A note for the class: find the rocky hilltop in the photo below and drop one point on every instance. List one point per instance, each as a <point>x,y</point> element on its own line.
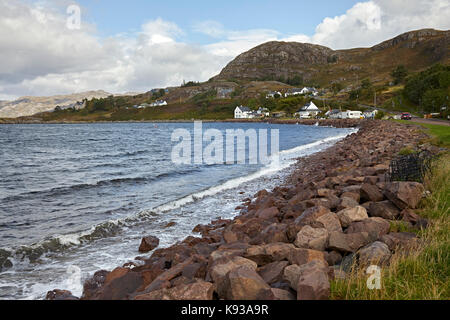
<point>27,106</point>
<point>277,59</point>
<point>274,60</point>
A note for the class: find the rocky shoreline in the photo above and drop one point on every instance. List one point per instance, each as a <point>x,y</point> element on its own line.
<point>334,212</point>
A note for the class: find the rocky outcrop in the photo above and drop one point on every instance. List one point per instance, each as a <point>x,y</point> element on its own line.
<point>275,60</point>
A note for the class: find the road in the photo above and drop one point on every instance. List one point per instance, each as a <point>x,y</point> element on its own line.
<point>432,121</point>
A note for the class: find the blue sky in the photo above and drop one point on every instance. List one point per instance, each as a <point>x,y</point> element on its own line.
<point>136,45</point>
<point>287,17</point>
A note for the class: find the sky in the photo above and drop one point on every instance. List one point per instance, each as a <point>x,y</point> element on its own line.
<point>46,48</point>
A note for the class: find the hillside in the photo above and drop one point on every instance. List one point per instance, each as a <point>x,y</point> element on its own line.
<point>27,106</point>
<point>322,66</point>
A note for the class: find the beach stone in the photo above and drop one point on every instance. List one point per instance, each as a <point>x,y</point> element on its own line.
<point>377,253</point>
<point>314,284</point>
<point>221,268</point>
<point>245,284</point>
<point>302,256</point>
<point>383,209</point>
<point>347,243</point>
<point>284,295</point>
<point>323,192</point>
<point>353,188</point>
<point>375,227</point>
<point>330,221</point>
<point>148,244</point>
<point>312,214</point>
<point>333,258</point>
<point>273,272</point>
<point>347,202</point>
<point>351,195</point>
<point>303,195</point>
<point>198,290</point>
<point>397,240</point>
<point>371,180</point>
<point>349,215</point>
<point>163,279</point>
<point>312,238</point>
<point>276,232</point>
<point>93,284</point>
<point>268,213</point>
<point>121,288</point>
<point>370,192</point>
<point>302,278</point>
<point>60,295</point>
<point>264,254</point>
<point>195,270</point>
<point>404,194</point>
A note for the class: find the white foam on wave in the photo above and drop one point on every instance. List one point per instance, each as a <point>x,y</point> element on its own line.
<point>287,158</point>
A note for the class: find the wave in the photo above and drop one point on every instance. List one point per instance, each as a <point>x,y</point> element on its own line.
<point>101,183</point>
<point>274,166</point>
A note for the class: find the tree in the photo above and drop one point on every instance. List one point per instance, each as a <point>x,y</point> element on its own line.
<point>399,74</point>
<point>297,80</point>
<point>366,84</point>
<point>434,100</point>
<point>355,94</point>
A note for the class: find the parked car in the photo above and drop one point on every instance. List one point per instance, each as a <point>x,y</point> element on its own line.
<point>406,116</point>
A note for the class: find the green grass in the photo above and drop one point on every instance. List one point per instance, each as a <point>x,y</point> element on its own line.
<point>422,273</point>
<point>440,133</point>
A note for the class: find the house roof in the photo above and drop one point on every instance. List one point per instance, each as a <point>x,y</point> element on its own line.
<point>244,109</point>
<point>310,106</point>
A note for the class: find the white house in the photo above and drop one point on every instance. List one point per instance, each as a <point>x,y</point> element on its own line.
<point>308,111</point>
<point>272,94</point>
<point>293,92</point>
<point>309,90</point>
<point>242,112</point>
<point>159,103</point>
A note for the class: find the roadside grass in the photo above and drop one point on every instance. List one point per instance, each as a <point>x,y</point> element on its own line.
<point>423,272</point>
<point>440,134</point>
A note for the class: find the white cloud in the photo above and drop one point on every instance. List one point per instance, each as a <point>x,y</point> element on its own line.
<point>45,58</point>
<point>368,23</point>
<point>40,56</point>
<point>211,28</point>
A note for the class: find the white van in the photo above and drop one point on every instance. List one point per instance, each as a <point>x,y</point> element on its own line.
<point>354,115</point>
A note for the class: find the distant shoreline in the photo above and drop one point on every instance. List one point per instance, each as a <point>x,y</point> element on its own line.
<point>339,123</point>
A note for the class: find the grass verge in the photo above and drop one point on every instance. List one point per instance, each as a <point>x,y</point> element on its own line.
<point>441,134</point>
